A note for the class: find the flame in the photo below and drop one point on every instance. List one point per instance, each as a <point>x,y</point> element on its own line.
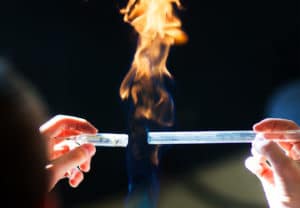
<point>158,28</point>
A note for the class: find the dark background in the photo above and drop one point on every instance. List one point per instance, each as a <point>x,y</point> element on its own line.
<point>77,53</point>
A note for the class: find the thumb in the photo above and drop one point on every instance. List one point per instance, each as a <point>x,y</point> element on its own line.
<point>274,154</point>
<point>58,167</point>
<point>260,169</point>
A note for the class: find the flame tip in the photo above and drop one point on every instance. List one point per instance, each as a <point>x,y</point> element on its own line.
<point>158,29</point>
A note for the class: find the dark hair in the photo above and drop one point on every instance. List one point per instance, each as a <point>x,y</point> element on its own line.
<point>23,150</point>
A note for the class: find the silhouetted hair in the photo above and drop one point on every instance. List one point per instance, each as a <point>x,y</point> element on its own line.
<point>23,150</point>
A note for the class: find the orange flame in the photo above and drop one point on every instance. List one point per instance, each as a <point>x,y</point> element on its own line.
<point>158,28</point>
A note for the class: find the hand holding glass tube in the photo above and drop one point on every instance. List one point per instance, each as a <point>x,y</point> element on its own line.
<point>66,159</point>
<point>276,164</point>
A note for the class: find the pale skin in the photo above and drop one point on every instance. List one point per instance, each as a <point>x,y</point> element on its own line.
<point>67,160</point>
<point>275,163</point>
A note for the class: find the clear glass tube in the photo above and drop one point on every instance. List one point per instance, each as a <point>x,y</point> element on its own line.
<point>188,137</point>
<point>201,137</point>
<point>103,139</point>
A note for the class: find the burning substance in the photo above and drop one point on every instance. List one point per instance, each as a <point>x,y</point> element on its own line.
<point>158,28</point>
<point>151,106</point>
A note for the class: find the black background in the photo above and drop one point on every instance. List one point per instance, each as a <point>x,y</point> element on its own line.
<point>77,53</point>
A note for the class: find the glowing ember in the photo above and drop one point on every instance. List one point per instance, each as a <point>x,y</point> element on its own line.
<point>158,28</point>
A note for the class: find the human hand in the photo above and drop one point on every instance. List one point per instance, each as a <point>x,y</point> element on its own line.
<point>274,163</point>
<point>67,159</point>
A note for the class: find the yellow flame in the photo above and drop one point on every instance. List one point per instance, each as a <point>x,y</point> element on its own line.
<point>158,28</point>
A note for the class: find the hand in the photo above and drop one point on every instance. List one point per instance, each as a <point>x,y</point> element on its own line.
<point>67,159</point>
<point>274,163</point>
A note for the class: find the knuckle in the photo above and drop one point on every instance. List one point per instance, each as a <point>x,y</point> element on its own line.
<point>80,154</point>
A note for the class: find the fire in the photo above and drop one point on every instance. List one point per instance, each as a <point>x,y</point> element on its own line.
<point>158,28</point>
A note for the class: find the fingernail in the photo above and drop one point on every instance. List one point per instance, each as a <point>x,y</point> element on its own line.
<point>73,183</point>
<point>90,149</point>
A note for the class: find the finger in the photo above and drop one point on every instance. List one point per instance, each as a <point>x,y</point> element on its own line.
<point>274,155</point>
<point>284,145</point>
<point>269,129</point>
<point>71,172</point>
<point>63,126</point>
<point>294,152</point>
<point>252,164</point>
<point>287,146</point>
<point>275,124</point>
<point>76,178</point>
<point>86,166</point>
<point>59,151</point>
<point>260,169</point>
<point>71,159</point>
<point>257,155</point>
<point>61,148</point>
